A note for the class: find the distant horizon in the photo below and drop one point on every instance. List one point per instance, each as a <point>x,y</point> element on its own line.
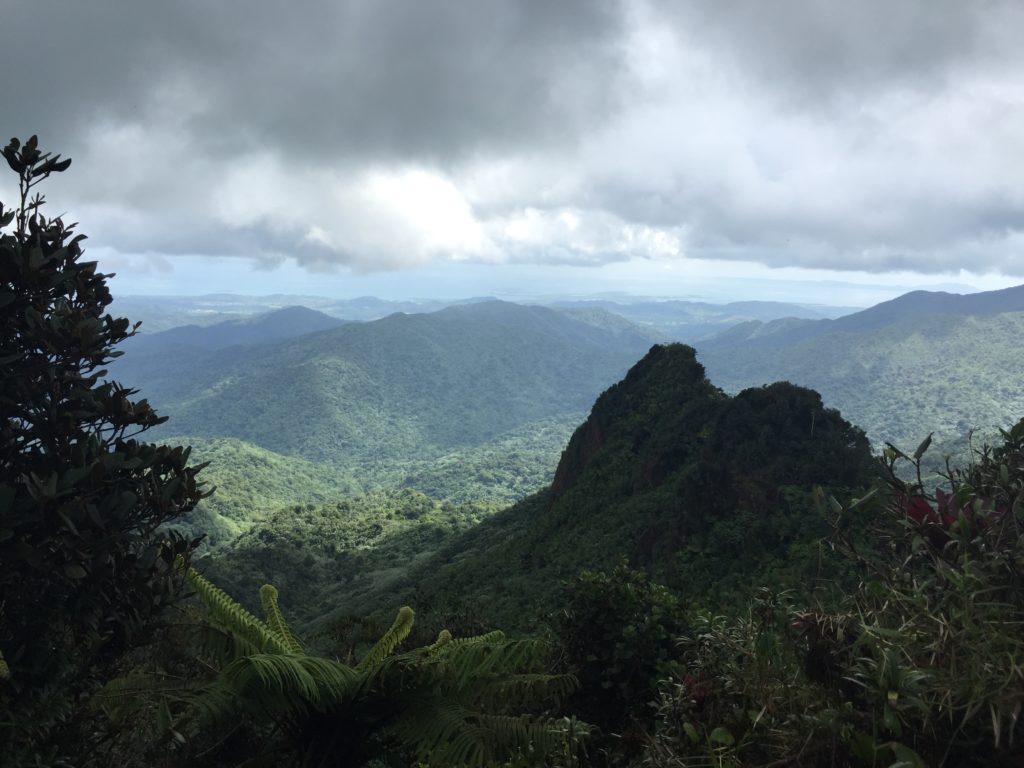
<point>547,284</point>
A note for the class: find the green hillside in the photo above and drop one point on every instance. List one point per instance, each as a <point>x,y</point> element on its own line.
<point>267,328</point>
<point>251,482</point>
<point>700,489</point>
<point>703,490</point>
<point>317,553</point>
<point>406,386</point>
<point>900,370</point>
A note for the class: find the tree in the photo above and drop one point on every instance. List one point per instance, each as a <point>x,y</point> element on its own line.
<point>617,633</point>
<point>84,559</point>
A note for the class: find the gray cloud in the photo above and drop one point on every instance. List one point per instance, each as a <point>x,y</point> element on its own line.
<point>323,80</point>
<point>383,134</point>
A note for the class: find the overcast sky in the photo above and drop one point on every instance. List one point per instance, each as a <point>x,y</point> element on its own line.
<point>414,147</point>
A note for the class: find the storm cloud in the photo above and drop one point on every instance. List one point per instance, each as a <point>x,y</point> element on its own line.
<point>380,135</point>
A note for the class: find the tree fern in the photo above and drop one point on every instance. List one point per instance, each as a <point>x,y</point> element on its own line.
<point>450,703</point>
<point>233,617</point>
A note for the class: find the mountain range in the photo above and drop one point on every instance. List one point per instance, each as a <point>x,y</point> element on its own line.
<point>924,362</point>
<point>404,386</point>
<point>704,490</point>
<point>691,321</point>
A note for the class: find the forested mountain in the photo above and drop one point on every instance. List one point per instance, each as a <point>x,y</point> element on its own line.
<point>926,361</point>
<point>161,313</point>
<point>406,386</point>
<point>471,403</point>
<point>266,328</point>
<point>702,489</point>
<point>252,483</point>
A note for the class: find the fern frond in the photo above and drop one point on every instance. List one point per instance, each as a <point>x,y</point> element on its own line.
<point>398,631</point>
<point>441,734</point>
<point>276,622</point>
<point>125,696</point>
<point>227,612</point>
<point>216,703</point>
<point>458,737</point>
<point>222,645</point>
<point>277,681</point>
<point>443,638</point>
<point>505,734</point>
<point>523,690</point>
<point>495,636</point>
<point>490,658</point>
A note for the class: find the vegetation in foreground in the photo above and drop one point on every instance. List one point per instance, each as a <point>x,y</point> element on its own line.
<point>85,563</point>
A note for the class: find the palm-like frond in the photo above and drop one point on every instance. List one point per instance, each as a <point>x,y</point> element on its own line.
<point>276,622</point>
<point>270,679</point>
<point>521,690</point>
<point>484,656</point>
<point>232,616</point>
<point>396,633</point>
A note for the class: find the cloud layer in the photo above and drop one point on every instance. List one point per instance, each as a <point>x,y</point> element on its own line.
<point>380,135</point>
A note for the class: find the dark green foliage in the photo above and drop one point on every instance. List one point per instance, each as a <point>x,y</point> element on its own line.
<point>618,634</point>
<point>691,485</point>
<point>923,362</point>
<point>253,483</point>
<point>454,702</point>
<point>327,555</point>
<point>920,663</point>
<point>404,387</point>
<point>83,564</point>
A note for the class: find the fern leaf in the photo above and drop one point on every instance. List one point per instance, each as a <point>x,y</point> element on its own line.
<point>233,616</point>
<point>458,737</point>
<point>444,637</point>
<point>398,631</point>
<point>505,734</point>
<point>440,734</point>
<point>516,691</point>
<point>281,682</point>
<point>276,622</point>
<point>483,657</point>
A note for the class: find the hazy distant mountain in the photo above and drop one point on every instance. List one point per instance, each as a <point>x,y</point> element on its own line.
<point>159,313</point>
<point>689,321</point>
<point>401,387</point>
<point>264,328</point>
<point>924,361</point>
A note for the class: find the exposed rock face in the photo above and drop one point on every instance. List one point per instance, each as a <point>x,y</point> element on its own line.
<point>586,441</point>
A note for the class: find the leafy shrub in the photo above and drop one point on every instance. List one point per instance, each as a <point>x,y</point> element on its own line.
<point>920,665</point>
<point>617,633</point>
